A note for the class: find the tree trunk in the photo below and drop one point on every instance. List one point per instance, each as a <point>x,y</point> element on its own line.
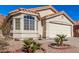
<point>61,42</point>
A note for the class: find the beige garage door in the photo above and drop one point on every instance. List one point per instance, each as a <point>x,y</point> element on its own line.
<point>54,29</point>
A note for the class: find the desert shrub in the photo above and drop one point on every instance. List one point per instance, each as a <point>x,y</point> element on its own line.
<point>30,46</point>
<point>60,39</point>
<point>57,41</point>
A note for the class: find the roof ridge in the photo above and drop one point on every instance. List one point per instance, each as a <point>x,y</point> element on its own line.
<point>37,8</point>
<point>21,9</point>
<point>30,9</point>
<point>33,10</point>
<point>43,7</point>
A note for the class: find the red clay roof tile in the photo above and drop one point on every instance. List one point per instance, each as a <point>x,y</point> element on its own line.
<point>76,22</point>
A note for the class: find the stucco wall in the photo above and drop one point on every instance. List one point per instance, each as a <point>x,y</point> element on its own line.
<point>40,29</point>
<point>53,28</point>
<point>60,19</point>
<point>25,33</point>
<point>46,12</point>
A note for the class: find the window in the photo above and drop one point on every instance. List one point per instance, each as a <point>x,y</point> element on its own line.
<point>29,22</point>
<point>11,23</point>
<point>32,25</point>
<point>17,23</point>
<point>26,24</point>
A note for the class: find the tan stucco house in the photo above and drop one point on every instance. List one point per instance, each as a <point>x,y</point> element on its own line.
<point>45,22</point>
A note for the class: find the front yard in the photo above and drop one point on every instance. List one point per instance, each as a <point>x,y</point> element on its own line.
<point>15,46</point>
<point>74,42</point>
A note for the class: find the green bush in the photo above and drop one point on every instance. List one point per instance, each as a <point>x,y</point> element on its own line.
<point>57,41</point>
<point>30,46</point>
<point>60,39</point>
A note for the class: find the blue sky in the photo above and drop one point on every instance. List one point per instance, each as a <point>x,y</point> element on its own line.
<point>71,10</point>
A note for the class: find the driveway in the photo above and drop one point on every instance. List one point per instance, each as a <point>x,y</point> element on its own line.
<point>74,42</point>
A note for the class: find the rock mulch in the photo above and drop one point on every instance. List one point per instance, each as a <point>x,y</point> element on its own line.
<point>15,46</point>
<point>74,42</point>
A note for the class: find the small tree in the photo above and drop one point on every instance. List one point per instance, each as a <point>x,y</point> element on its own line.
<point>30,46</point>
<point>60,39</point>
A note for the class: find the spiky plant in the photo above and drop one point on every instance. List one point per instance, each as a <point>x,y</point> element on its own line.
<point>60,39</point>
<point>30,46</point>
<point>57,41</point>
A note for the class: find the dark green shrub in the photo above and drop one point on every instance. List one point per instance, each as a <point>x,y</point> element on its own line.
<point>60,39</point>
<point>30,46</point>
<point>57,41</point>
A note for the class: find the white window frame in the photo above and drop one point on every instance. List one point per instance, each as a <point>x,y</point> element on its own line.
<point>19,24</point>
<point>29,23</point>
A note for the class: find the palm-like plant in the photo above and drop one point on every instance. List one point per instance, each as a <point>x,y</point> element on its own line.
<point>60,38</point>
<point>30,46</point>
<point>57,41</point>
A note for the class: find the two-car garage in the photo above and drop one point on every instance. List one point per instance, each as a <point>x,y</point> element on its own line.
<point>53,29</point>
<point>60,24</point>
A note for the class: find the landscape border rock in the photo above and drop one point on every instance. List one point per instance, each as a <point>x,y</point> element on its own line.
<point>64,46</point>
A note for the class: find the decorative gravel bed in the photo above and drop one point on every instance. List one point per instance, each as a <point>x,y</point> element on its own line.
<point>15,46</point>
<point>64,46</point>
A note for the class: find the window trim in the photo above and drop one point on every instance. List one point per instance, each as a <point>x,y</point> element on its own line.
<point>30,22</point>
<point>19,24</point>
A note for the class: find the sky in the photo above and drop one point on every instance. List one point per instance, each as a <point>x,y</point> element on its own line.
<point>71,10</point>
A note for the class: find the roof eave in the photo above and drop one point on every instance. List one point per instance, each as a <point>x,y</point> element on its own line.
<point>61,13</point>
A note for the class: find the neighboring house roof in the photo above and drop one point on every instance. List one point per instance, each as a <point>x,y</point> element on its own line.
<point>76,22</point>
<point>2,18</point>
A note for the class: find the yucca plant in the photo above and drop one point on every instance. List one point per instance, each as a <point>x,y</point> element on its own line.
<point>57,41</point>
<point>60,39</point>
<point>30,46</point>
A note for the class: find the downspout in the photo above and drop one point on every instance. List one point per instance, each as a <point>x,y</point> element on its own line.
<point>44,28</point>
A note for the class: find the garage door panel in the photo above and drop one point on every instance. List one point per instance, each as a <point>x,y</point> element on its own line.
<point>54,29</point>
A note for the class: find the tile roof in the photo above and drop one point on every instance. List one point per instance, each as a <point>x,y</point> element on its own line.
<point>20,9</point>
<point>42,8</point>
<point>76,22</point>
<point>32,10</point>
<point>36,11</point>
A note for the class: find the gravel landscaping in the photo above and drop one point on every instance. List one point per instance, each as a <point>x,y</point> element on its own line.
<point>15,46</point>
<point>74,42</point>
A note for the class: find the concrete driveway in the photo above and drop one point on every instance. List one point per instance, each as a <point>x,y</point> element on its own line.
<point>74,42</point>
